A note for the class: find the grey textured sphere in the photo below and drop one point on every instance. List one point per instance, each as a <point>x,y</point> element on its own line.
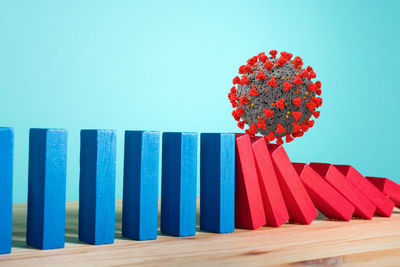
<point>265,99</point>
<point>275,97</point>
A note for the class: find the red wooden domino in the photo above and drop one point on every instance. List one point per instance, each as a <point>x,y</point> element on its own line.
<point>300,207</point>
<point>274,205</point>
<point>249,209</point>
<point>327,200</point>
<point>384,206</point>
<point>364,208</point>
<point>388,187</point>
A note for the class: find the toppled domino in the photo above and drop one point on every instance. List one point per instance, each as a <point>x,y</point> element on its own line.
<point>249,209</point>
<point>327,200</point>
<point>364,208</point>
<point>274,204</point>
<point>388,187</point>
<point>300,207</point>
<point>384,206</point>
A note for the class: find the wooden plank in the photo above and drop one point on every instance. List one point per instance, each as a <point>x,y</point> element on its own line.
<point>298,202</point>
<point>249,209</point>
<point>388,187</point>
<point>325,198</point>
<point>363,207</point>
<point>217,182</point>
<point>178,184</point>
<point>6,182</point>
<point>362,242</point>
<point>46,188</point>
<point>97,186</point>
<point>140,190</point>
<point>384,206</point>
<point>274,205</point>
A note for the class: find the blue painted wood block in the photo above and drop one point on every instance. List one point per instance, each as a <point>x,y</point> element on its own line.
<point>46,188</point>
<point>97,187</point>
<point>217,182</point>
<point>178,185</point>
<point>140,193</point>
<point>6,181</point>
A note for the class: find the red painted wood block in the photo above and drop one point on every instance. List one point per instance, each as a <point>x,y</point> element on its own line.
<point>364,208</point>
<point>300,207</point>
<point>249,209</point>
<point>274,205</point>
<point>327,200</point>
<point>388,187</point>
<point>384,206</point>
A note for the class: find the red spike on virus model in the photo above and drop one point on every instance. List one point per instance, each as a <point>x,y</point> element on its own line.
<point>275,96</point>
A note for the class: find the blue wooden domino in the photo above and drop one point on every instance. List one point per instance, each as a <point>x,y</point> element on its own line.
<point>217,182</point>
<point>46,188</point>
<point>178,184</point>
<point>6,180</point>
<point>97,187</point>
<point>140,193</point>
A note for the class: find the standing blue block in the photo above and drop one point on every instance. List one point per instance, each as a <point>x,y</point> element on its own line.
<point>46,188</point>
<point>140,196</point>
<point>6,179</point>
<point>178,185</point>
<point>97,187</point>
<point>217,182</point>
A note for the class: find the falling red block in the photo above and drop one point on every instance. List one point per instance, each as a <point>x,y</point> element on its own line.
<point>274,205</point>
<point>387,187</point>
<point>249,209</point>
<point>363,207</point>
<point>327,200</point>
<point>300,207</point>
<point>384,206</point>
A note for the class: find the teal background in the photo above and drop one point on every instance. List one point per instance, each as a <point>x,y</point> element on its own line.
<point>168,66</point>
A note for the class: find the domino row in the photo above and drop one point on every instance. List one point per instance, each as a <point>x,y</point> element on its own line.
<point>271,190</point>
<point>47,184</point>
<point>265,188</point>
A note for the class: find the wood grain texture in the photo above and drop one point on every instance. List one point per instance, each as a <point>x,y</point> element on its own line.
<point>373,242</point>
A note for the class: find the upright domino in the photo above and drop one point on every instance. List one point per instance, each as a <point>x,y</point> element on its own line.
<point>388,187</point>
<point>6,181</point>
<point>140,192</point>
<point>97,187</point>
<point>217,182</point>
<point>46,188</point>
<point>325,198</point>
<point>249,209</point>
<point>178,184</point>
<point>301,208</point>
<point>274,204</point>
<point>384,206</point>
<point>363,207</point>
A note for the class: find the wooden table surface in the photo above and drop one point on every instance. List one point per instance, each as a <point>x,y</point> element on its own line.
<point>323,243</point>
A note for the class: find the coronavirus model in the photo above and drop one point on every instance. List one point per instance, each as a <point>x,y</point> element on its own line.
<point>275,96</point>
